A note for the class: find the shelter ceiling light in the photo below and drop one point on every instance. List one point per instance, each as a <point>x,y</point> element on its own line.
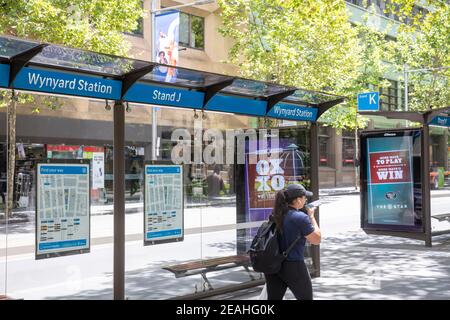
<point>107,106</point>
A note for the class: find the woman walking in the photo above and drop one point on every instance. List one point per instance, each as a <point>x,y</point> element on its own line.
<point>292,223</point>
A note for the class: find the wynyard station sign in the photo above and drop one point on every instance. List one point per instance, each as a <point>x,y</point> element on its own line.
<point>68,83</point>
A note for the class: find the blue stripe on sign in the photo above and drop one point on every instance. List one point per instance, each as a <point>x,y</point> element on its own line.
<point>162,170</point>
<point>293,112</point>
<point>165,96</point>
<point>240,105</point>
<point>62,244</point>
<point>4,75</point>
<point>67,83</point>
<point>166,233</point>
<point>46,169</point>
<point>441,121</point>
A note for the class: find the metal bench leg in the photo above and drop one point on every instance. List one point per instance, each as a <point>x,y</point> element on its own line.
<point>249,273</point>
<point>210,287</point>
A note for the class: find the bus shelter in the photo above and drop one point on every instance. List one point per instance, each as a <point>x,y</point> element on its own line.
<point>49,71</point>
<point>411,164</point>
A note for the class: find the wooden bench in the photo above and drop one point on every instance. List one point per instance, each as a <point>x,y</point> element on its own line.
<point>204,266</point>
<point>442,217</point>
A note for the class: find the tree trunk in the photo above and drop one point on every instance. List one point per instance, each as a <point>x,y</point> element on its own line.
<point>11,114</point>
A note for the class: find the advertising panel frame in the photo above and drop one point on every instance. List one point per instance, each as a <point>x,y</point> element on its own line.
<point>161,241</point>
<point>389,229</point>
<point>73,251</point>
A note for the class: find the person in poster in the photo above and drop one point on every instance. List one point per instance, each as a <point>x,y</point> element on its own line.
<point>166,49</point>
<point>390,181</point>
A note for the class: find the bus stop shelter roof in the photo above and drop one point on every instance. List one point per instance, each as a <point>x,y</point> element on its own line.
<point>439,117</point>
<point>135,81</point>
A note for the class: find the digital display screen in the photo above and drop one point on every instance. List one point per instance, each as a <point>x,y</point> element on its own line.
<point>391,190</point>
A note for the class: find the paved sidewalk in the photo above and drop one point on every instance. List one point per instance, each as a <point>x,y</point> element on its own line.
<point>356,266</point>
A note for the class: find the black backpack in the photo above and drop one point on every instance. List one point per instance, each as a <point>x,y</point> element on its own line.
<point>265,254</point>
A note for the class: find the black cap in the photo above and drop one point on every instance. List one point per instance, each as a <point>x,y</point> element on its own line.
<point>297,190</point>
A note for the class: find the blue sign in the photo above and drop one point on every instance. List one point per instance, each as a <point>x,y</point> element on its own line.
<point>293,112</point>
<point>441,121</point>
<point>146,93</point>
<point>62,244</point>
<point>231,104</point>
<point>165,233</point>
<point>67,83</point>
<point>63,169</point>
<point>163,203</point>
<point>62,209</point>
<point>369,101</point>
<point>4,75</point>
<point>163,170</point>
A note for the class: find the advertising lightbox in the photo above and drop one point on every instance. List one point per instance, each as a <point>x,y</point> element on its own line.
<point>391,190</point>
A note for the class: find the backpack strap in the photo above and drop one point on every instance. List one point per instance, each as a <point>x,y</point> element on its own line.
<point>285,253</point>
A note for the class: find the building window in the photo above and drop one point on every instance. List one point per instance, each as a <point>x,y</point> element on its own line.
<point>389,97</point>
<point>192,31</point>
<point>348,148</point>
<point>139,31</point>
<point>324,149</point>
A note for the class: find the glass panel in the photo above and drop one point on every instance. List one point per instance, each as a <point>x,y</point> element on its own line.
<point>146,277</point>
<point>220,239</point>
<point>184,29</point>
<point>184,77</point>
<point>254,88</point>
<point>10,46</point>
<point>61,133</point>
<point>86,61</point>
<point>440,178</point>
<point>3,195</point>
<point>310,97</point>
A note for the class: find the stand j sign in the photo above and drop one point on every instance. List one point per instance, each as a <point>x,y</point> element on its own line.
<point>368,101</point>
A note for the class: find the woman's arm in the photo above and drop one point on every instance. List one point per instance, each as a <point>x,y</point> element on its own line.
<point>316,236</point>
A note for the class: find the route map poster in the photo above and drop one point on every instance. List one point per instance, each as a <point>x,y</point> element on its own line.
<point>62,209</point>
<point>390,182</point>
<point>163,204</point>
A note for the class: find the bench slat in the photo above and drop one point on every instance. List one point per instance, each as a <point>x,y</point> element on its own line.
<point>208,263</point>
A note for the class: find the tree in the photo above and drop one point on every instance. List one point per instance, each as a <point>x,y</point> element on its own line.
<point>305,43</point>
<point>97,25</point>
<point>424,44</point>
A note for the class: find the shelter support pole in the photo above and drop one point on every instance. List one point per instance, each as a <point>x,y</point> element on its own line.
<point>314,145</point>
<point>11,138</point>
<point>119,200</point>
<point>426,203</point>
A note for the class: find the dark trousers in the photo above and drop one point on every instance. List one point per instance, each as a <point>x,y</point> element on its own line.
<point>293,275</point>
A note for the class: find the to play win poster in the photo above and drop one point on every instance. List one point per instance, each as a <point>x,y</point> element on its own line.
<point>390,181</point>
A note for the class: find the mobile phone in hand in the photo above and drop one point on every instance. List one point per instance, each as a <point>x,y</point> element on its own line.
<point>313,204</point>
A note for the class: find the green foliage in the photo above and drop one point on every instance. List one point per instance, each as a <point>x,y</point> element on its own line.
<point>96,25</point>
<point>305,43</point>
<point>310,44</point>
<point>424,43</point>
